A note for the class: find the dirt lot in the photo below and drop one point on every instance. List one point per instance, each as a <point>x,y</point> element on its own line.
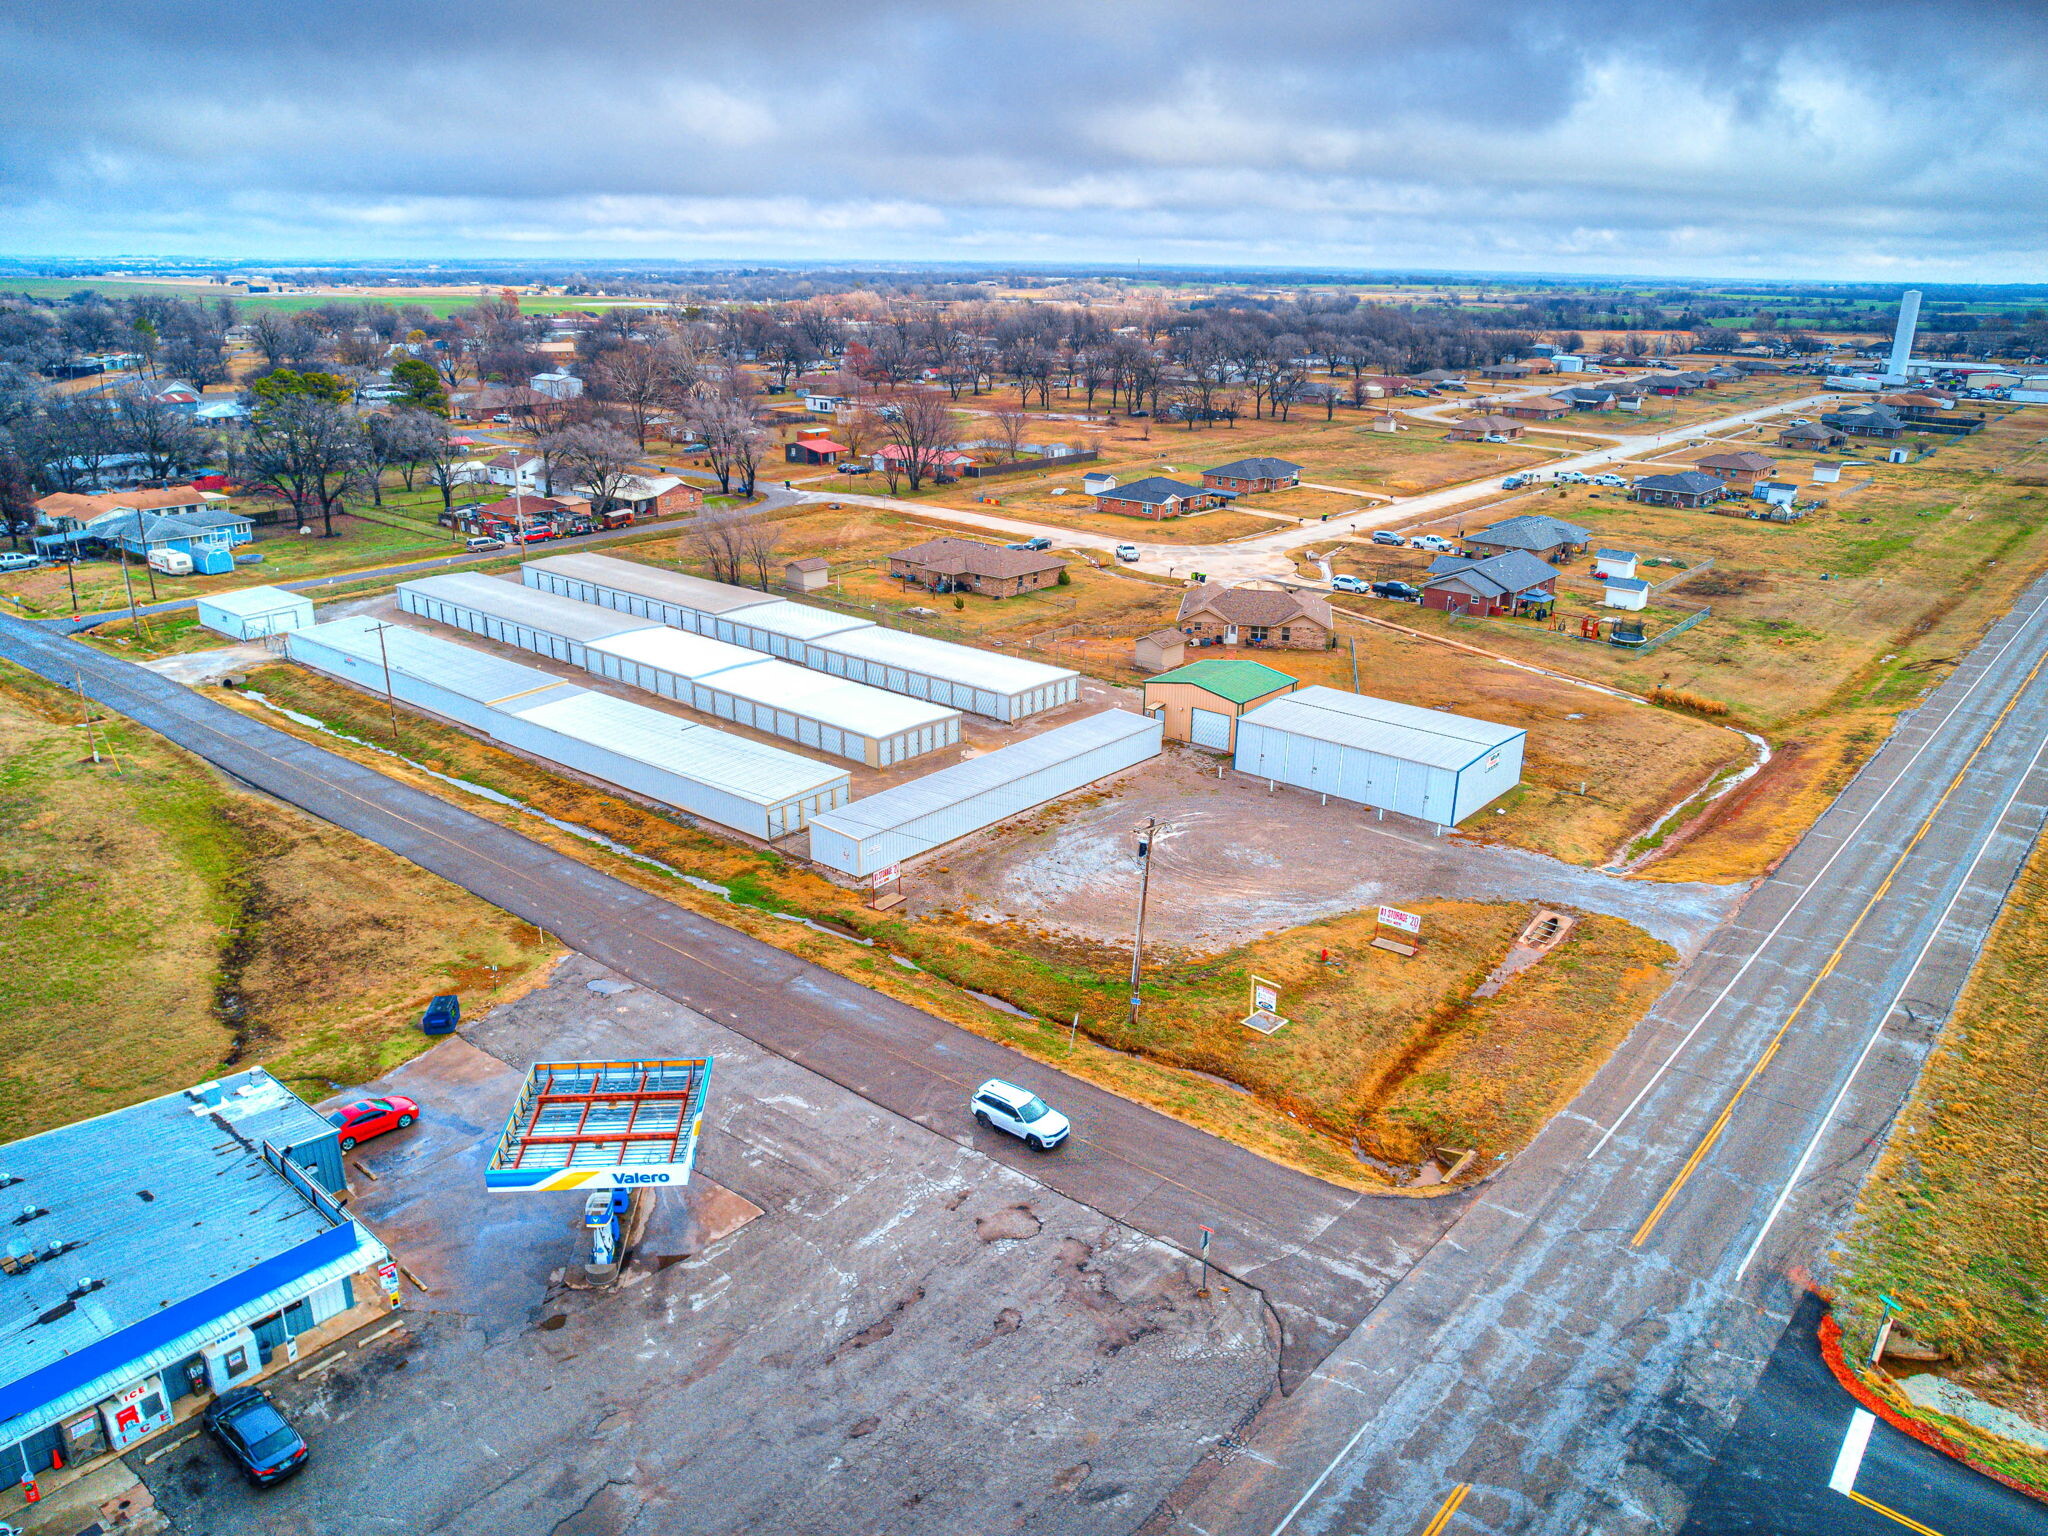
<point>911,1337</point>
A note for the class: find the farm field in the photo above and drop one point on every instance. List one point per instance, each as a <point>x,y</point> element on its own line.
<point>164,925</point>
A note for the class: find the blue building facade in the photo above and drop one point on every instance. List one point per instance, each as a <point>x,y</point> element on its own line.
<point>166,1250</point>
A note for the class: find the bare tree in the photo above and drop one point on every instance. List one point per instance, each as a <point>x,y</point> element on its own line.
<point>303,451</point>
<point>1011,425</point>
<point>722,412</point>
<point>599,460</point>
<point>920,428</point>
<point>635,378</point>
<point>719,540</point>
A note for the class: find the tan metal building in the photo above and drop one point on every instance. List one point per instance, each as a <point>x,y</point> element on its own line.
<point>1201,701</point>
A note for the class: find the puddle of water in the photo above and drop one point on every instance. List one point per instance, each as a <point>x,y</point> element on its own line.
<point>496,797</point>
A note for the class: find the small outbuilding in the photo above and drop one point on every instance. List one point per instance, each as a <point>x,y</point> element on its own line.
<point>1614,562</point>
<point>1426,763</point>
<point>1625,592</point>
<point>1096,482</point>
<point>1826,471</point>
<point>1779,493</point>
<point>1202,701</point>
<point>253,612</point>
<point>807,575</point>
<point>1159,651</point>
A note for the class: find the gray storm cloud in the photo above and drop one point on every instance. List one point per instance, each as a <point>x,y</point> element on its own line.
<point>1705,138</point>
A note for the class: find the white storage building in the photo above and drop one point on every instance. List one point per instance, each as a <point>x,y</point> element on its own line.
<point>444,677</point>
<point>664,597</point>
<point>909,819</point>
<point>1425,763</point>
<point>962,676</point>
<point>829,713</point>
<point>500,610</point>
<point>746,785</point>
<point>254,612</point>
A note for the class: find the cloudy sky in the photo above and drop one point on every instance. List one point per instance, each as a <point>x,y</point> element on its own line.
<point>1878,140</point>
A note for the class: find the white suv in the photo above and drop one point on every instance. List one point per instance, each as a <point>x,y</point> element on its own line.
<point>1020,1112</point>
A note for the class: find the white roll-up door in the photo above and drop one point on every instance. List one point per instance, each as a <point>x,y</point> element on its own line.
<point>1209,729</point>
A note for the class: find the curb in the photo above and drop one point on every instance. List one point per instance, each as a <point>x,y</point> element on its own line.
<point>1852,1382</point>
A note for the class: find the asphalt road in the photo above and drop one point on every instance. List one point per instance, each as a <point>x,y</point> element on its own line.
<point>1773,1474</point>
<point>1571,1356</point>
<point>1321,1255</point>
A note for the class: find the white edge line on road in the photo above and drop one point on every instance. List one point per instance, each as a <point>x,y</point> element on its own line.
<point>1850,1457</point>
<point>1847,840</point>
<point>1884,1015</point>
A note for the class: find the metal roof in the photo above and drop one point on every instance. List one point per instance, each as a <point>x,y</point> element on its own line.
<point>1236,680</point>
<point>1614,554</point>
<point>1433,737</point>
<point>158,1202</point>
<point>797,621</point>
<point>666,586</point>
<point>750,770</point>
<point>449,664</point>
<point>1625,583</point>
<point>538,610</point>
<point>905,803</point>
<point>832,701</point>
<point>679,651</point>
<point>965,664</point>
<point>254,602</point>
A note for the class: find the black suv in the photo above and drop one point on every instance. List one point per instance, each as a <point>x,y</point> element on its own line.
<point>251,1430</point>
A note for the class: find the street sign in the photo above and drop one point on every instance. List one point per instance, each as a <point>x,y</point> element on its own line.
<point>1406,922</point>
<point>888,874</point>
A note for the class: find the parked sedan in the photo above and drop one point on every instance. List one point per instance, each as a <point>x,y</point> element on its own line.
<point>372,1117</point>
<point>1399,591</point>
<point>255,1435</point>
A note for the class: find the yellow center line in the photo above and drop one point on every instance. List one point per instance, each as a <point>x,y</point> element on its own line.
<point>1892,1514</point>
<point>1449,1508</point>
<point>1720,1124</point>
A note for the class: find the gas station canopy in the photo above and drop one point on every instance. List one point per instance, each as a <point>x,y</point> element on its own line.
<point>602,1125</point>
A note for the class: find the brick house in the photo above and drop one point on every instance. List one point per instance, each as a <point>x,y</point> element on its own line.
<point>1256,616</point>
<point>652,496</point>
<point>1811,436</point>
<point>1744,467</point>
<point>1537,533</point>
<point>962,565</point>
<point>1157,497</point>
<point>1247,477</point>
<point>1865,421</point>
<point>1511,583</point>
<point>1536,410</point>
<point>1689,488</point>
<point>1477,428</point>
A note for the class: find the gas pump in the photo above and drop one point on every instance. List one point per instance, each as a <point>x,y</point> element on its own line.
<point>602,1213</point>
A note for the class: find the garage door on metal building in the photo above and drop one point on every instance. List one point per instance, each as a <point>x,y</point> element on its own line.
<point>1208,728</point>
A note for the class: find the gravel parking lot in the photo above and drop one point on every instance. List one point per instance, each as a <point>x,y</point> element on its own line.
<point>911,1337</point>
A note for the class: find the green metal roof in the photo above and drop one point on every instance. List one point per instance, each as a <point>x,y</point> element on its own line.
<point>1238,681</point>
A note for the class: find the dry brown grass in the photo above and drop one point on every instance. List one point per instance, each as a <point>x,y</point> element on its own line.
<point>164,925</point>
<point>1953,1221</point>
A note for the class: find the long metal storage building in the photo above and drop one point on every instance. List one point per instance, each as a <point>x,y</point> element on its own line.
<point>746,785</point>
<point>723,778</point>
<point>666,597</point>
<point>500,610</point>
<point>449,679</point>
<point>909,819</point>
<point>1426,763</point>
<point>962,677</point>
<point>829,713</point>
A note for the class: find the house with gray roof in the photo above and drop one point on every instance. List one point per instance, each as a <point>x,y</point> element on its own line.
<point>1157,497</point>
<point>1546,537</point>
<point>1515,582</point>
<point>1247,477</point>
<point>1688,488</point>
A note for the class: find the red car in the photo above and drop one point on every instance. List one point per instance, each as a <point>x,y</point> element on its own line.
<point>372,1117</point>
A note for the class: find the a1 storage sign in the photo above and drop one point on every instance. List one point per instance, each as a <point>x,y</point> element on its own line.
<point>1402,922</point>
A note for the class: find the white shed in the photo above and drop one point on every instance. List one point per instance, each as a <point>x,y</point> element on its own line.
<point>252,612</point>
<point>1426,763</point>
<point>1625,592</point>
<point>909,819</point>
<point>1614,562</point>
<point>1826,471</point>
<point>1095,482</point>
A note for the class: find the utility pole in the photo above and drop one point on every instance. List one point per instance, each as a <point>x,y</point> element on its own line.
<point>128,586</point>
<point>85,710</point>
<point>1145,836</point>
<point>390,699</point>
<point>71,576</point>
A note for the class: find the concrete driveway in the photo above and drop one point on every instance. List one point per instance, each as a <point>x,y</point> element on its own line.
<point>911,1337</point>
